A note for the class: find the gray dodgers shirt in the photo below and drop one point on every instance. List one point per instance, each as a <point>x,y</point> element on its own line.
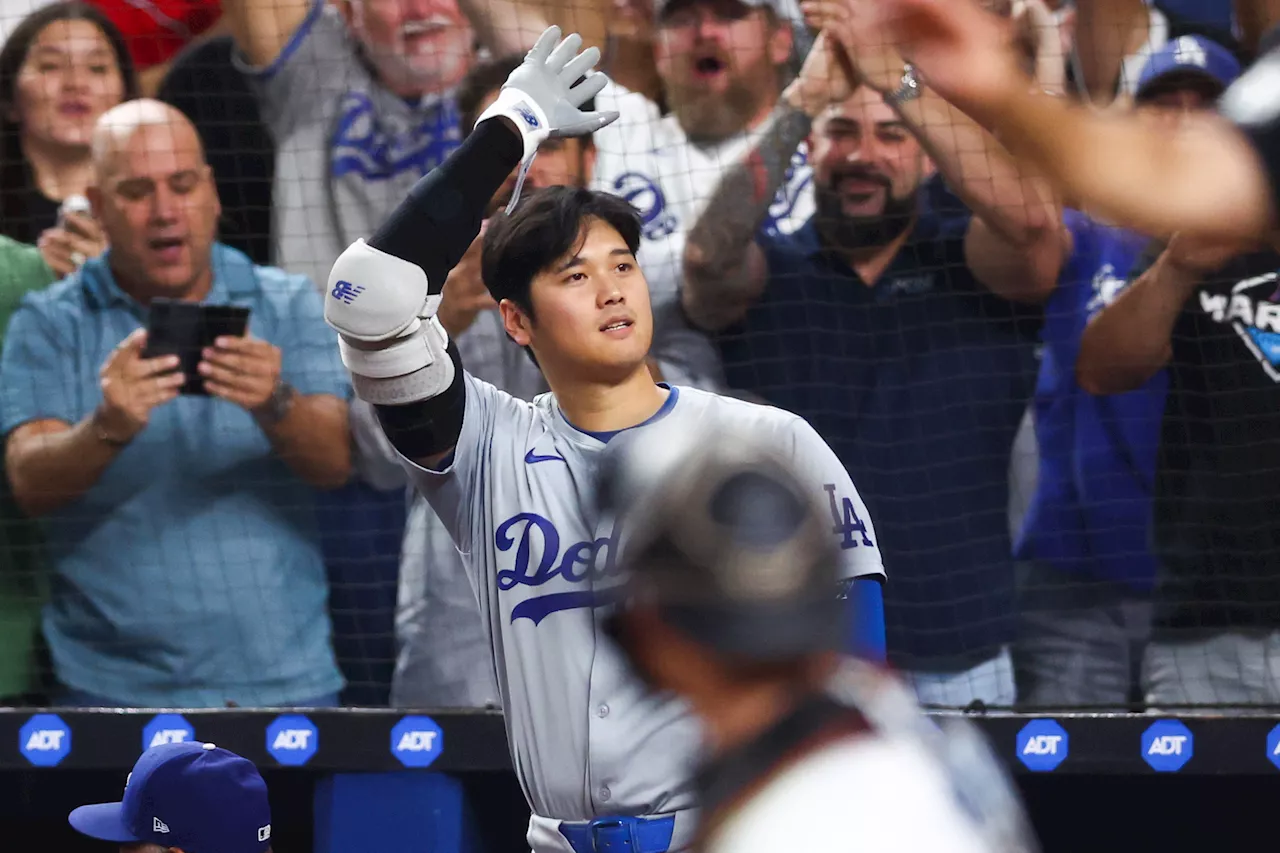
<point>347,150</point>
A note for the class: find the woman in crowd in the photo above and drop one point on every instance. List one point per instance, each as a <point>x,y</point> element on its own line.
<point>60,69</point>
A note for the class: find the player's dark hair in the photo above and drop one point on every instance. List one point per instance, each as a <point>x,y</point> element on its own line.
<point>485,79</point>
<point>547,225</point>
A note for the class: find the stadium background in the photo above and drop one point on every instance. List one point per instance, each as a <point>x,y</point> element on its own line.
<point>1089,779</point>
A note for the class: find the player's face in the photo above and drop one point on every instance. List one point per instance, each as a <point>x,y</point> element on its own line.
<point>720,61</point>
<point>67,81</point>
<point>593,321</point>
<point>560,162</point>
<point>867,168</point>
<point>416,45</point>
<point>159,208</point>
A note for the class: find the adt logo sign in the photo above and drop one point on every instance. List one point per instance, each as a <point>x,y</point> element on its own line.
<point>292,739</point>
<point>417,741</point>
<point>167,728</point>
<point>1273,746</point>
<point>1167,745</point>
<point>45,740</point>
<point>1042,745</point>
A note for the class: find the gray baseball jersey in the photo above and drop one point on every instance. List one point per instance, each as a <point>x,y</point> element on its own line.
<point>519,499</point>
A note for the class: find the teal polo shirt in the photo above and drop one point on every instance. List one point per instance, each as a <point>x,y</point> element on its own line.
<point>190,575</point>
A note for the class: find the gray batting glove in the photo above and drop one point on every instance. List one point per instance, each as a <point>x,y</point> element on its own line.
<point>542,97</point>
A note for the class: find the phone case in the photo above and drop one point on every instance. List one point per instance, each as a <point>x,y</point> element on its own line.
<point>184,329</point>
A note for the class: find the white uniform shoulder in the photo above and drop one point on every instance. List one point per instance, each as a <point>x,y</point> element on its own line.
<point>860,793</point>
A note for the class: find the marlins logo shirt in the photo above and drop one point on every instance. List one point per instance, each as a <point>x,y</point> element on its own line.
<point>1217,518</point>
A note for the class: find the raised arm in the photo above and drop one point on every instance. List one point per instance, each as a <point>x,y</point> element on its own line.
<point>262,28</point>
<point>1131,339</point>
<point>724,269</point>
<point>1211,180</point>
<point>383,294</point>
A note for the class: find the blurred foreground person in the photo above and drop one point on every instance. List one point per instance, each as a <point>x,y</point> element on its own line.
<point>1218,176</point>
<point>191,797</point>
<point>728,608</point>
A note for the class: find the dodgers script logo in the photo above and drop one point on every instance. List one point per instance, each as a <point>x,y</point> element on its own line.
<point>365,148</point>
<point>799,177</point>
<point>535,542</point>
<point>647,197</point>
<point>1252,311</point>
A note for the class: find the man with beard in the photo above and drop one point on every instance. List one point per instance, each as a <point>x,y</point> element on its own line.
<point>902,330</point>
<point>358,96</point>
<point>723,64</point>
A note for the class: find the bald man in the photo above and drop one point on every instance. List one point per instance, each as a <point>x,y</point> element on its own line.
<point>177,494</point>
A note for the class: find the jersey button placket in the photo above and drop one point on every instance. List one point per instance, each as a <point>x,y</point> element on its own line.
<point>605,794</point>
<point>602,711</point>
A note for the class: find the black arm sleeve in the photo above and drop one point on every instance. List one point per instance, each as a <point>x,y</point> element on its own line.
<point>1252,103</point>
<point>441,216</point>
<point>427,427</point>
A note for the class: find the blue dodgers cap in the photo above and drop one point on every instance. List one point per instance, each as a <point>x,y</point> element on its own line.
<point>1188,57</point>
<point>190,795</point>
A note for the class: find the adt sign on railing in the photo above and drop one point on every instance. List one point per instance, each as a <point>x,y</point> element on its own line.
<point>416,741</point>
<point>45,740</point>
<point>292,739</point>
<point>167,728</point>
<point>1273,746</point>
<point>1167,745</point>
<point>1042,745</point>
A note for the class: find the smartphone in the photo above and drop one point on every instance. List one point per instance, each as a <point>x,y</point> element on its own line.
<point>184,329</point>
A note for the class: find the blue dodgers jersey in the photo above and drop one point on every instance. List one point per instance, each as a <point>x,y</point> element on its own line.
<point>1092,507</point>
<point>519,499</point>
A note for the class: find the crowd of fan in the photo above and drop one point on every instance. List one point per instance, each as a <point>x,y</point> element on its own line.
<point>818,235</point>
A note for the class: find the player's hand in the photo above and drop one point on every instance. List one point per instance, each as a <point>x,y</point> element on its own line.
<point>542,97</point>
<point>965,53</point>
<point>241,370</point>
<point>67,246</point>
<point>132,386</point>
<point>465,295</point>
<point>855,30</point>
<point>827,77</point>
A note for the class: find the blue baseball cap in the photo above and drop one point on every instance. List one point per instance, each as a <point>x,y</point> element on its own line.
<point>1188,57</point>
<point>190,795</point>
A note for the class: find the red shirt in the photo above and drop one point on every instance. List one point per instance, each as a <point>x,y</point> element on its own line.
<point>155,30</point>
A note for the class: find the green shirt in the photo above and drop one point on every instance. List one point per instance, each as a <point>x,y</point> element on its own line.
<point>23,581</point>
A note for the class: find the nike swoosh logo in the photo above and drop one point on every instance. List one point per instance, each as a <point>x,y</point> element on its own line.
<point>532,458</point>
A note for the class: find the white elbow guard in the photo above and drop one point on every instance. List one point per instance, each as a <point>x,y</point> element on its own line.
<point>387,332</point>
<point>413,366</point>
<point>373,296</point>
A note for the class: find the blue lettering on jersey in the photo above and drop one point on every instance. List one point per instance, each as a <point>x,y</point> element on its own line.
<point>580,561</point>
<point>1252,311</point>
<point>363,147</point>
<point>646,196</point>
<point>847,521</point>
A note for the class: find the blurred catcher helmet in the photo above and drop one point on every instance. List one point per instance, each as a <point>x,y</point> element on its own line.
<point>721,538</point>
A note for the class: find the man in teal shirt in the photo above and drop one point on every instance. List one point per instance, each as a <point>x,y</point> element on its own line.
<point>23,584</point>
<point>181,528</point>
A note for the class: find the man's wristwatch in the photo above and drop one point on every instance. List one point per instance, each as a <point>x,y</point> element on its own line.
<point>908,88</point>
<point>277,406</point>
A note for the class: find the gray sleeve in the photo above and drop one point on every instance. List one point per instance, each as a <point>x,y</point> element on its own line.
<point>302,86</point>
<point>457,491</point>
<point>816,464</point>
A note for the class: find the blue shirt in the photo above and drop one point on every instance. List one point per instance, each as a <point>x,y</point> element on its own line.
<point>190,574</point>
<point>918,383</point>
<point>1092,509</point>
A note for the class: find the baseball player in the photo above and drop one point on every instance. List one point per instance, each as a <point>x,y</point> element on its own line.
<point>602,762</point>
<point>725,554</point>
<point>1218,177</point>
<point>185,796</point>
